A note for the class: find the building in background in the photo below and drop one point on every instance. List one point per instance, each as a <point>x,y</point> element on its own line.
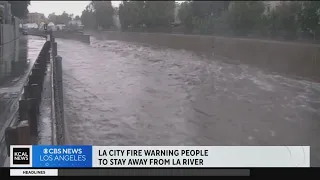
<point>75,23</point>
<point>36,18</point>
<point>60,27</point>
<point>30,26</point>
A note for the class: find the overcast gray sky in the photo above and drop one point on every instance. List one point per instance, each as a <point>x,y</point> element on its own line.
<point>71,7</point>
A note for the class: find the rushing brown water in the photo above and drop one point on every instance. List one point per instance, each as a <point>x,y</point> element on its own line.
<point>119,93</point>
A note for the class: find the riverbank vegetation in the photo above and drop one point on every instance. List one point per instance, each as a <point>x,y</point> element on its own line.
<point>288,20</point>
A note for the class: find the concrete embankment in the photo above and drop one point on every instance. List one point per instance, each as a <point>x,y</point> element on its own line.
<point>64,35</point>
<point>296,59</point>
<point>74,36</point>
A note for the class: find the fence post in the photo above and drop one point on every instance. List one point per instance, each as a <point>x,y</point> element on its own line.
<point>33,120</point>
<point>58,64</point>
<point>47,59</point>
<point>10,137</point>
<point>24,110</point>
<point>27,92</point>
<point>53,40</point>
<point>37,65</point>
<point>55,49</point>
<point>37,77</point>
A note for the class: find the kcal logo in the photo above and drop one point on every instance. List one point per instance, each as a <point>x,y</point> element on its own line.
<point>21,156</point>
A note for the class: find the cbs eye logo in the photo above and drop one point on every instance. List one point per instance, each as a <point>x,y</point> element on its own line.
<point>21,156</point>
<point>45,151</point>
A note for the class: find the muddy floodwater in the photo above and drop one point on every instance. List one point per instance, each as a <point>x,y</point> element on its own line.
<point>120,93</point>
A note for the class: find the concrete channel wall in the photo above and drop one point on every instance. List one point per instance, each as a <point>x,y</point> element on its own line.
<point>295,59</point>
<point>71,35</point>
<point>63,34</point>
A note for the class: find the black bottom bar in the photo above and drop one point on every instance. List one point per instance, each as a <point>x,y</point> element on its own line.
<point>154,172</point>
<point>259,172</point>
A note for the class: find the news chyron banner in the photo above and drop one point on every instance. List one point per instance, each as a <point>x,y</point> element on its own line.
<point>158,156</point>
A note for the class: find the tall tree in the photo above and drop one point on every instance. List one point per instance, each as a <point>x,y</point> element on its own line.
<point>285,19</point>
<point>103,13</point>
<point>132,14</point>
<point>201,14</point>
<point>123,15</point>
<point>185,15</point>
<point>19,8</point>
<point>88,17</point>
<point>52,18</point>
<point>136,13</point>
<point>77,18</point>
<point>310,17</point>
<point>64,18</point>
<point>244,15</point>
<point>147,14</point>
<point>159,13</point>
<point>206,8</point>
